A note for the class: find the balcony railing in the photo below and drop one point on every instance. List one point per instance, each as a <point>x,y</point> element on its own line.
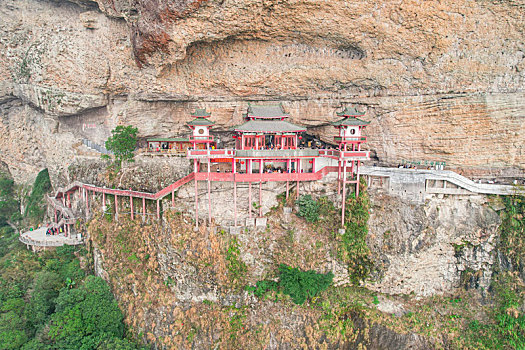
<point>208,138</point>
<point>213,153</point>
<point>351,139</point>
<point>273,154</point>
<point>277,153</point>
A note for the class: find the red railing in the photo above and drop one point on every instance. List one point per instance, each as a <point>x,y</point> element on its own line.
<point>256,177</point>
<point>216,153</point>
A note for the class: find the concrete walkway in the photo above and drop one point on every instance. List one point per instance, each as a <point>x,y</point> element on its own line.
<point>413,176</point>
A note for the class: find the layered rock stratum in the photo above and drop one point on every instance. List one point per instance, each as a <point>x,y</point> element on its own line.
<point>439,81</point>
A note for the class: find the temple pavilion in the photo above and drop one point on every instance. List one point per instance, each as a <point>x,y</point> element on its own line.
<point>266,127</point>
<point>267,150</point>
<point>200,138</point>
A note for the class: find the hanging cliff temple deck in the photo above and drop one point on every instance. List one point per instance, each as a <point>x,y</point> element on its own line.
<point>266,149</point>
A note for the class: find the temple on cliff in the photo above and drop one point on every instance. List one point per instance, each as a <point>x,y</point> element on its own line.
<point>201,138</point>
<point>268,148</point>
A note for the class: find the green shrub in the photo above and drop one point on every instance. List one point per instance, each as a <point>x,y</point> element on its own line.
<point>35,209</point>
<point>308,208</point>
<point>262,287</point>
<point>299,285</point>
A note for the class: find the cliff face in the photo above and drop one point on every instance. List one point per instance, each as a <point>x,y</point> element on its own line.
<point>183,288</point>
<point>439,81</point>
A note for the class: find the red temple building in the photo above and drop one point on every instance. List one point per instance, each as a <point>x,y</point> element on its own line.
<point>200,138</point>
<point>266,149</point>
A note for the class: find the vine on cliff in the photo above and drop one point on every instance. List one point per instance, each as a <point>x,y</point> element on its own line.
<point>512,230</point>
<point>355,251</point>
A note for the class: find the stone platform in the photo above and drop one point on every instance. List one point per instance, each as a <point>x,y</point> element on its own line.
<point>38,238</point>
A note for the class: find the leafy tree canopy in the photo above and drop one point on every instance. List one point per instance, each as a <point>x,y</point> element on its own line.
<point>122,143</point>
<point>86,317</point>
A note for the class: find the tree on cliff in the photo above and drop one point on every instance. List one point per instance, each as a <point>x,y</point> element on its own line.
<point>86,317</point>
<point>122,143</point>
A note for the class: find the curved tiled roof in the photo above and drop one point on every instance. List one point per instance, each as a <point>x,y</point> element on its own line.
<point>269,126</point>
<point>268,111</point>
<point>350,122</point>
<point>350,112</point>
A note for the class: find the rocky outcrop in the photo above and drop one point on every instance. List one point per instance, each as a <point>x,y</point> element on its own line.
<point>433,248</point>
<point>436,82</point>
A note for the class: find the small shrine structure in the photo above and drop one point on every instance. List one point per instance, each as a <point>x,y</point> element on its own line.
<point>200,138</point>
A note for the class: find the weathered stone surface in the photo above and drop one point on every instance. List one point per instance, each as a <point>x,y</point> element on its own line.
<point>437,82</point>
<point>423,249</point>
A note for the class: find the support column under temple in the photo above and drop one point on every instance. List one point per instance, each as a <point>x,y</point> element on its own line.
<point>339,177</point>
<point>87,204</point>
<point>103,199</point>
<point>196,170</point>
<point>260,199</point>
<point>158,209</point>
<point>131,206</point>
<point>357,178</point>
<point>250,199</point>
<point>234,170</point>
<point>249,164</point>
<point>209,193</point>
<point>344,196</point>
<point>143,209</point>
<point>116,207</point>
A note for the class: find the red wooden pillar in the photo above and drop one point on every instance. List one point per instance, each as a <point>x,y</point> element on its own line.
<point>56,216</point>
<point>339,176</point>
<point>298,171</point>
<point>209,191</point>
<point>143,208</point>
<point>344,195</point>
<point>196,171</point>
<point>289,171</point>
<point>249,171</point>
<point>87,204</point>
<point>131,205</point>
<point>116,207</point>
<point>173,198</point>
<point>260,199</point>
<point>158,209</point>
<point>68,200</point>
<point>357,179</point>
<point>234,195</point>
<point>260,187</point>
